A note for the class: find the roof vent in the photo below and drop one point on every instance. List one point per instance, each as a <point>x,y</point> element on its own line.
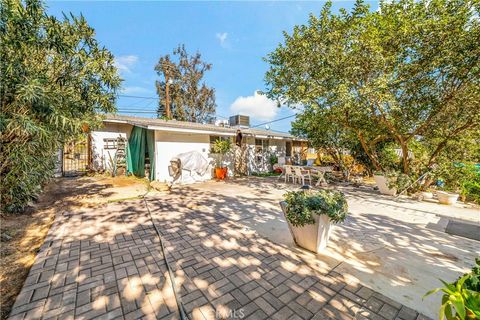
<point>222,123</point>
<point>239,120</point>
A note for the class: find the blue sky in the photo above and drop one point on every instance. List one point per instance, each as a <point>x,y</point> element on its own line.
<point>233,36</point>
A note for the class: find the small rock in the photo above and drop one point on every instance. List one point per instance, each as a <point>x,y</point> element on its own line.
<point>160,186</point>
<point>5,237</point>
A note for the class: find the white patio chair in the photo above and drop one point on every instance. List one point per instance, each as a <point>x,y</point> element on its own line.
<point>289,174</point>
<point>302,175</point>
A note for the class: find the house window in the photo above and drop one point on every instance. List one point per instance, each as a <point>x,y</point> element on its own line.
<point>215,138</point>
<point>261,146</point>
<point>288,149</point>
<point>110,143</point>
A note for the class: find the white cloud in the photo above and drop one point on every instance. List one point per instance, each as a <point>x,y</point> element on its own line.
<point>222,37</point>
<point>257,106</point>
<point>125,63</point>
<point>135,90</point>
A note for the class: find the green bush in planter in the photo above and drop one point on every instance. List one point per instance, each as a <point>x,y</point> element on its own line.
<point>301,206</point>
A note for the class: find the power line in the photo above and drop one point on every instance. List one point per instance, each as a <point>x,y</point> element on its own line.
<point>261,124</point>
<point>218,115</point>
<point>138,97</point>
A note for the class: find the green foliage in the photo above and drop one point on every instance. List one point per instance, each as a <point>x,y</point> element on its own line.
<point>459,177</point>
<point>190,99</point>
<point>221,147</point>
<point>55,79</point>
<point>273,159</point>
<point>407,73</point>
<point>461,299</point>
<point>388,158</point>
<point>303,205</point>
<point>265,174</point>
<point>325,134</point>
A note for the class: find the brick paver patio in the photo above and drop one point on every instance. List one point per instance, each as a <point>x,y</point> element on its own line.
<point>106,263</point>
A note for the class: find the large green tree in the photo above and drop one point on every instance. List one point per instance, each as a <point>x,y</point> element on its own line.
<point>182,92</point>
<point>407,72</point>
<point>55,79</point>
<point>326,135</point>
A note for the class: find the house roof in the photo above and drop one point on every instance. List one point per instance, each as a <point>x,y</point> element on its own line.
<point>183,126</point>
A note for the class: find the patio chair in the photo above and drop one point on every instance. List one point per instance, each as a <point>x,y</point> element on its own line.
<point>289,174</point>
<point>302,175</point>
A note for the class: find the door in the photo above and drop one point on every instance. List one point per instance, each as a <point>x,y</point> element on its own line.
<point>76,157</point>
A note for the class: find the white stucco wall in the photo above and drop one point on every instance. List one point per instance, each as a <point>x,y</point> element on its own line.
<point>169,144</point>
<point>108,131</point>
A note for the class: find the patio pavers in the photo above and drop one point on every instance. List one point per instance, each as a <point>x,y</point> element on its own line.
<point>106,263</point>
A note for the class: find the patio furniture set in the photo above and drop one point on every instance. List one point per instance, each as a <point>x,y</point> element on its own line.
<point>302,174</point>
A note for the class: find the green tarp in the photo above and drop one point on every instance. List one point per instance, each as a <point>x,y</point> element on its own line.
<point>140,143</point>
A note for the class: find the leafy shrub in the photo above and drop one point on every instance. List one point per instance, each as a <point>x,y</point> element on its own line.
<point>221,147</point>
<point>303,205</point>
<point>460,177</point>
<point>388,158</point>
<point>48,98</point>
<point>461,299</point>
<point>273,159</point>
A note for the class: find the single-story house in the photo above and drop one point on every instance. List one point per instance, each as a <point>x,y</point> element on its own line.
<point>159,141</point>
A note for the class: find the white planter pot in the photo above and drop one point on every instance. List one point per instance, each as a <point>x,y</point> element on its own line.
<point>313,237</point>
<point>447,197</point>
<point>382,185</point>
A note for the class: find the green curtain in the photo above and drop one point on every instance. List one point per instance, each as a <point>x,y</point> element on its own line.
<point>150,134</point>
<point>141,141</point>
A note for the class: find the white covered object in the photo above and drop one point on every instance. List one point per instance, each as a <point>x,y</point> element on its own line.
<point>193,161</point>
<point>193,166</point>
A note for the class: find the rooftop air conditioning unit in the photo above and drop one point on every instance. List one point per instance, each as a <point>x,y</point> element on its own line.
<point>239,120</point>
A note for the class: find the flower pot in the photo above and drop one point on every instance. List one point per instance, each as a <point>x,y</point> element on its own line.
<point>221,173</point>
<point>382,185</point>
<point>447,197</point>
<point>313,237</point>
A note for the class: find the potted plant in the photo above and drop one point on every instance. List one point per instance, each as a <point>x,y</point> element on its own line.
<point>385,183</point>
<point>446,197</point>
<point>461,299</point>
<point>310,215</point>
<point>221,147</point>
<point>452,177</point>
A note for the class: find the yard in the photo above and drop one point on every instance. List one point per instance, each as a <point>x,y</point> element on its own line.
<point>231,251</point>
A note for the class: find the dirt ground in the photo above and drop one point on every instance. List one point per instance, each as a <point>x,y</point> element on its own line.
<point>23,234</point>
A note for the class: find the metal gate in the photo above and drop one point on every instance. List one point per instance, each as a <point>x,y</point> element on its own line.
<point>76,157</point>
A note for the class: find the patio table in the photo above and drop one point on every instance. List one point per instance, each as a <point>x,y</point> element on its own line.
<point>319,172</point>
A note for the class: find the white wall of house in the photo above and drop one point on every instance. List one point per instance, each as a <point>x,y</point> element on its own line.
<point>100,155</point>
<point>259,159</point>
<point>169,144</point>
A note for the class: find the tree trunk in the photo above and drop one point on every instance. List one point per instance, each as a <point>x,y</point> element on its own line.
<point>375,162</point>
<point>405,160</point>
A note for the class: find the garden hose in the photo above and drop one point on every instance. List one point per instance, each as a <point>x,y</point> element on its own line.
<point>181,308</point>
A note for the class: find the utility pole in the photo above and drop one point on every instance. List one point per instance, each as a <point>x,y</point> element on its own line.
<point>168,113</point>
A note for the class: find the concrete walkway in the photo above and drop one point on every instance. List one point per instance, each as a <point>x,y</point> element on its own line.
<point>106,263</point>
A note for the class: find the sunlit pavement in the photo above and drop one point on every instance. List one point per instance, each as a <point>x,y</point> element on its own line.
<point>232,255</point>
